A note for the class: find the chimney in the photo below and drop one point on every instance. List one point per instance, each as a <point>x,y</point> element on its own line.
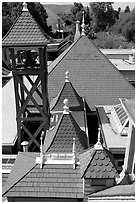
<point>25,146</point>
<point>77,33</point>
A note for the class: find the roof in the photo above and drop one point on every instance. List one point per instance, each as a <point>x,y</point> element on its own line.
<point>68,92</point>
<point>9,126</point>
<point>25,31</point>
<point>118,190</point>
<point>53,180</point>
<point>113,120</point>
<point>97,164</point>
<point>122,65</point>
<point>94,77</point>
<point>60,139</point>
<point>23,164</point>
<point>112,139</point>
<point>129,105</point>
<point>117,51</point>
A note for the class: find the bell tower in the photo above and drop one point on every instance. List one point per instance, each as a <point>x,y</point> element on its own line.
<point>27,44</point>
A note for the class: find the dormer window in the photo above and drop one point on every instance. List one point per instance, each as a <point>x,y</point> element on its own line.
<point>121,119</point>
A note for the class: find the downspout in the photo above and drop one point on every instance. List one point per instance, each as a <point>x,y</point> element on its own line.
<point>85,119</point>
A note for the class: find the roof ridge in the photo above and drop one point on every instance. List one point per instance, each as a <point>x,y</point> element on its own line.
<point>12,26</point>
<point>61,56</point>
<point>11,185</point>
<point>114,67</point>
<point>78,97</point>
<point>55,130</point>
<point>79,133</point>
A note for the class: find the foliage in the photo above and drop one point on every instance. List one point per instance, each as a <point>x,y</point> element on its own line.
<point>10,11</point>
<point>40,15</point>
<point>103,15</point>
<point>126,25</point>
<point>127,9</point>
<point>106,40</point>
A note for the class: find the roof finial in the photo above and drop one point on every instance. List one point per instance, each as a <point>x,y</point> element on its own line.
<point>98,145</point>
<point>24,7</point>
<point>65,107</point>
<point>83,25</point>
<point>73,152</point>
<point>41,149</point>
<point>66,76</point>
<point>77,32</point>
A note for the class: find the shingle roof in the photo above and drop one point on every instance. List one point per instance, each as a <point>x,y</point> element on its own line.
<point>118,190</point>
<point>23,164</point>
<point>53,180</point>
<point>94,77</point>
<point>69,92</point>
<point>97,164</point>
<point>61,140</point>
<point>25,31</point>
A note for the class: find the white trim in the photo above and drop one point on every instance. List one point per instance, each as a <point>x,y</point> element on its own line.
<point>6,171</point>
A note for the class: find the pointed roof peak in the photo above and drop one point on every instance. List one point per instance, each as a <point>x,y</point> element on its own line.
<point>83,25</point>
<point>65,107</point>
<point>25,6</point>
<point>66,76</point>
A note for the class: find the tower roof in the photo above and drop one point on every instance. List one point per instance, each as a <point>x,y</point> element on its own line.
<point>97,163</point>
<point>60,139</point>
<point>25,31</point>
<point>69,92</point>
<point>94,77</point>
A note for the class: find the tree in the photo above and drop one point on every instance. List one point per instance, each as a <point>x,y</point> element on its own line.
<point>127,9</point>
<point>10,11</point>
<point>40,15</point>
<point>103,15</point>
<point>126,25</point>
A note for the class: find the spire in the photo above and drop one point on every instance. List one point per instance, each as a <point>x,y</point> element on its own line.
<point>83,25</point>
<point>65,107</point>
<point>73,152</point>
<point>24,7</point>
<point>77,33</point>
<point>98,145</point>
<point>66,76</point>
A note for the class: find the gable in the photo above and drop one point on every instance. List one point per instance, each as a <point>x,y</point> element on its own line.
<point>94,77</point>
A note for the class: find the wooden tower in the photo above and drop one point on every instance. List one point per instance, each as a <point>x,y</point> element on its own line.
<point>27,45</point>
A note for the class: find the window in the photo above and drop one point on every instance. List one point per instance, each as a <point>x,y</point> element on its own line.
<point>121,119</point>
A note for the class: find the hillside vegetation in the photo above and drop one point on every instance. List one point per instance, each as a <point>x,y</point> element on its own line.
<point>108,28</point>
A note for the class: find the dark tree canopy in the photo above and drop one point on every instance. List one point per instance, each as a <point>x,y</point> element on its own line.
<point>103,15</point>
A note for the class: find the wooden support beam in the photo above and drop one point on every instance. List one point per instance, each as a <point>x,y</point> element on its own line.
<point>37,90</point>
<point>29,134</point>
<point>29,97</point>
<point>36,133</point>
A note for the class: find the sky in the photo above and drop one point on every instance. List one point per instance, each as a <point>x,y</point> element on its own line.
<point>116,4</point>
